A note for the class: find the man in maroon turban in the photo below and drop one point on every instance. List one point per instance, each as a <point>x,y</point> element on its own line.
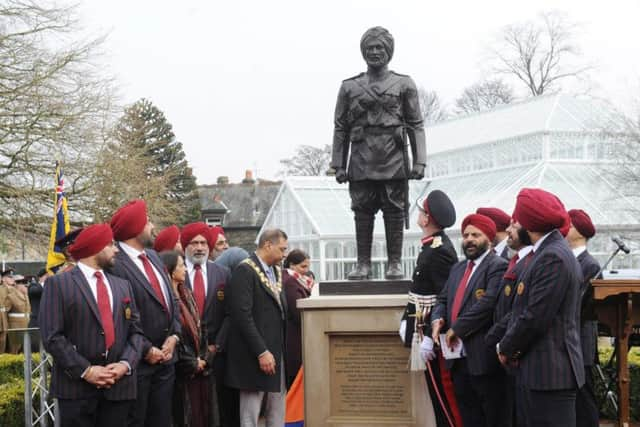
<point>465,307</point>
<point>580,232</point>
<point>89,325</point>
<point>207,280</point>
<point>502,221</point>
<point>542,341</point>
<point>142,267</point>
<point>168,239</point>
<point>218,242</point>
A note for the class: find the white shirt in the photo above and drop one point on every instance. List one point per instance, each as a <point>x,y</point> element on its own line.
<point>90,274</point>
<point>477,262</point>
<point>540,240</point>
<point>500,246</point>
<point>134,254</point>
<point>578,250</point>
<point>522,253</point>
<point>192,274</point>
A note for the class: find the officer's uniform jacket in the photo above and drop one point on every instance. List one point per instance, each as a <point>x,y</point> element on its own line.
<point>433,265</point>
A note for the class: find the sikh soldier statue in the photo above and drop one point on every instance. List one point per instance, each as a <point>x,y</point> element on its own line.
<point>375,113</point>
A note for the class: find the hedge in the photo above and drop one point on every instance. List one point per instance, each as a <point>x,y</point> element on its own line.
<point>12,389</point>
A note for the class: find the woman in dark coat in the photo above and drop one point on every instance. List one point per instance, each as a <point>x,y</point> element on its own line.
<point>191,399</point>
<point>297,284</point>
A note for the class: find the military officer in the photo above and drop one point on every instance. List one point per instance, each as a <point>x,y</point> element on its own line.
<point>4,308</point>
<point>435,213</point>
<point>18,314</point>
<point>374,112</point>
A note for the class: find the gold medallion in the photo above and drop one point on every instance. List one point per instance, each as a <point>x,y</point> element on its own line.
<point>520,289</point>
<point>220,295</point>
<point>507,290</point>
<point>127,313</point>
<point>479,293</point>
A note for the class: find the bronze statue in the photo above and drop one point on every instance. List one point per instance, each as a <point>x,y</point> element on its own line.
<point>374,114</point>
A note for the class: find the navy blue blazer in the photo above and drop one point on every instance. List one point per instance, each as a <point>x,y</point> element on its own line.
<point>588,319</point>
<point>502,311</point>
<point>542,334</point>
<point>213,316</point>
<point>476,312</point>
<point>156,323</point>
<point>72,333</point>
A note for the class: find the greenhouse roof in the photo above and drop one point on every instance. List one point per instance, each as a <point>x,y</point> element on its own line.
<point>585,186</point>
<point>559,113</point>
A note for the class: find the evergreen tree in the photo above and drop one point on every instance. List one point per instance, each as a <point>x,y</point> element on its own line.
<point>145,127</point>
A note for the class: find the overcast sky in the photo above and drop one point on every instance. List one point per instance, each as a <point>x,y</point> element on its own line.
<point>244,82</point>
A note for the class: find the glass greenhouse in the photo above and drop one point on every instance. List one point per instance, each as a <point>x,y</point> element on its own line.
<point>479,160</point>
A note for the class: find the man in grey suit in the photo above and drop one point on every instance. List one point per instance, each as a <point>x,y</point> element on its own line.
<point>542,341</point>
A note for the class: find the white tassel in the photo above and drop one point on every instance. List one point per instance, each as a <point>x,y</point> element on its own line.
<point>415,361</point>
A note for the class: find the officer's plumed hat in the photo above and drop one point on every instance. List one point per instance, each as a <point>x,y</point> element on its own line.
<point>439,207</point>
<point>66,240</point>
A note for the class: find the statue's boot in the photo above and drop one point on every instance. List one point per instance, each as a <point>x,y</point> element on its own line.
<point>364,237</point>
<point>393,230</point>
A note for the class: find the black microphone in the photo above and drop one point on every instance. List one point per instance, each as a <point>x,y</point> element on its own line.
<point>620,244</point>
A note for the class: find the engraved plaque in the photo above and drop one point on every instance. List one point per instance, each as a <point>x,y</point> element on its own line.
<point>369,376</point>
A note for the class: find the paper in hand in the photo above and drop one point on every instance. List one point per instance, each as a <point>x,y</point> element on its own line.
<point>458,348</point>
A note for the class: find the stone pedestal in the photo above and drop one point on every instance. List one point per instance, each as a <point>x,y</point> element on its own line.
<point>355,365</point>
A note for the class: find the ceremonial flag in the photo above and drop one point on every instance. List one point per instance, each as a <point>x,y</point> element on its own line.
<point>60,224</point>
<point>294,415</point>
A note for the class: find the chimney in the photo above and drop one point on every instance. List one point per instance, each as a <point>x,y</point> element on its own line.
<point>223,180</point>
<point>248,177</point>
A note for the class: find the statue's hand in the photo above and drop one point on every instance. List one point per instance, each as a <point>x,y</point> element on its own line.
<point>416,173</point>
<point>341,176</point>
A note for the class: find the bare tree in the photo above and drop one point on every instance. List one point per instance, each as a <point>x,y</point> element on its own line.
<point>53,101</point>
<point>433,111</point>
<point>484,95</point>
<point>540,54</point>
<point>307,161</point>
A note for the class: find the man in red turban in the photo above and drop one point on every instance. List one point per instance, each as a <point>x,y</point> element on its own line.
<point>168,239</point>
<point>542,338</point>
<point>159,312</point>
<point>465,307</point>
<point>502,221</point>
<point>580,232</point>
<point>207,280</point>
<point>217,242</point>
<point>89,325</point>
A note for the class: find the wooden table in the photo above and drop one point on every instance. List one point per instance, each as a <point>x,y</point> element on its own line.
<point>617,304</point>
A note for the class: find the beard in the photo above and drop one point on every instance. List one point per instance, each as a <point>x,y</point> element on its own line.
<point>198,258</point>
<point>473,251</point>
<point>105,262</point>
<point>146,240</point>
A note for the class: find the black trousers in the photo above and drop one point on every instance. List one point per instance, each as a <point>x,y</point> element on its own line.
<point>435,390</point>
<point>587,413</point>
<point>545,408</point>
<point>481,398</point>
<point>95,412</point>
<point>155,392</point>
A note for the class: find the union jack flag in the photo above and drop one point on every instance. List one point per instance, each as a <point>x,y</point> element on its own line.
<point>60,224</point>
